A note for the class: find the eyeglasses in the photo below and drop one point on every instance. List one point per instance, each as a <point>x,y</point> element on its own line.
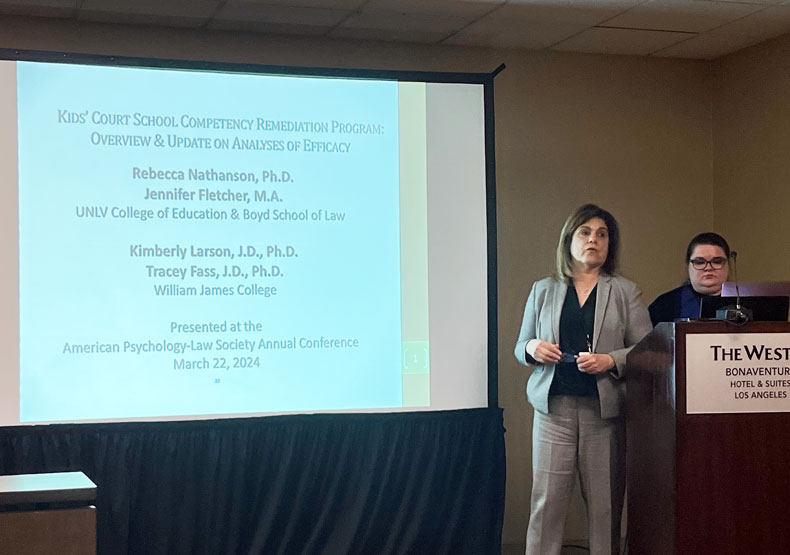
<point>715,263</point>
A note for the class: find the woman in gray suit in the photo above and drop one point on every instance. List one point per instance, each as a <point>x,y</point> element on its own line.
<point>578,327</point>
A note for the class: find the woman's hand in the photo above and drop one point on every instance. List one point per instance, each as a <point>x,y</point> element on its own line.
<point>543,351</point>
<point>594,363</point>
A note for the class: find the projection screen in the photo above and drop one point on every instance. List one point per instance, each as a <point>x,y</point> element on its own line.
<point>194,241</point>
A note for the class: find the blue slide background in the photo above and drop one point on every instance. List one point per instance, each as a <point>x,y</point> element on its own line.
<point>79,284</point>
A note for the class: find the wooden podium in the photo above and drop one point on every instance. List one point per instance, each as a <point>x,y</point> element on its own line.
<point>708,446</point>
<point>47,514</point>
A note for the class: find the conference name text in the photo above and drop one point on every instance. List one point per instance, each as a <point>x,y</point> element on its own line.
<point>250,345</point>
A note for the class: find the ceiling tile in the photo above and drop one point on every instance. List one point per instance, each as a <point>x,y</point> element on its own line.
<point>296,29</point>
<point>537,24</point>
<point>189,9</point>
<point>39,8</point>
<point>682,15</point>
<point>391,35</point>
<point>454,8</point>
<point>141,19</point>
<point>706,47</point>
<point>616,5</point>
<point>43,3</point>
<point>765,24</point>
<point>404,23</point>
<point>247,11</point>
<point>323,4</point>
<point>606,40</point>
<point>328,4</point>
<point>514,15</point>
<point>532,35</point>
<point>761,2</point>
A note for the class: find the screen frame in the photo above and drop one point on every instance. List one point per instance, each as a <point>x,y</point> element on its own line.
<point>484,79</point>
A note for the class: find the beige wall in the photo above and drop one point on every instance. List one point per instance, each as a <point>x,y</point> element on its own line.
<point>632,134</point>
<point>751,149</point>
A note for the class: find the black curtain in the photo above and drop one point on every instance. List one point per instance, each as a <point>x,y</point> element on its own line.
<point>425,483</point>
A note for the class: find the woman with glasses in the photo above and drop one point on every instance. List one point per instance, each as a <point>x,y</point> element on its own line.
<point>578,327</point>
<point>706,257</point>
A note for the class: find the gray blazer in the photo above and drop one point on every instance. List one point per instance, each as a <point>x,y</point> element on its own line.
<point>621,321</point>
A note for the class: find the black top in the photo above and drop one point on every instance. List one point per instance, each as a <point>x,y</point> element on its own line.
<point>576,331</point>
<point>682,302</point>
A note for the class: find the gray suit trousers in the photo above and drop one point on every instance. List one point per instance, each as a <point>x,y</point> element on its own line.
<point>573,437</point>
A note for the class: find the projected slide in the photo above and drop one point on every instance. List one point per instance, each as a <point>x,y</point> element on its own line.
<point>196,243</point>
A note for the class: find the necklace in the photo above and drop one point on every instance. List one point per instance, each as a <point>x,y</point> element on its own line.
<point>586,289</point>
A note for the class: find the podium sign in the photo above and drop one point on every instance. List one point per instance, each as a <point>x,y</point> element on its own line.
<point>737,373</point>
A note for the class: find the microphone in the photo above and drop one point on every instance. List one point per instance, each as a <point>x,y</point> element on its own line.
<point>734,256</point>
<point>737,315</point>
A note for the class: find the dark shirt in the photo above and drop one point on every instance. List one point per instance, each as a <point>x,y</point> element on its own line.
<point>576,330</point>
<point>682,302</point>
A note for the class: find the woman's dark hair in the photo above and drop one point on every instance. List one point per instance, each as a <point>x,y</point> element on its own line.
<point>707,238</point>
<point>583,214</point>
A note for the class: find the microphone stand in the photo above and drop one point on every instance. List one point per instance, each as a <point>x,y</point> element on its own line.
<point>737,315</point>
